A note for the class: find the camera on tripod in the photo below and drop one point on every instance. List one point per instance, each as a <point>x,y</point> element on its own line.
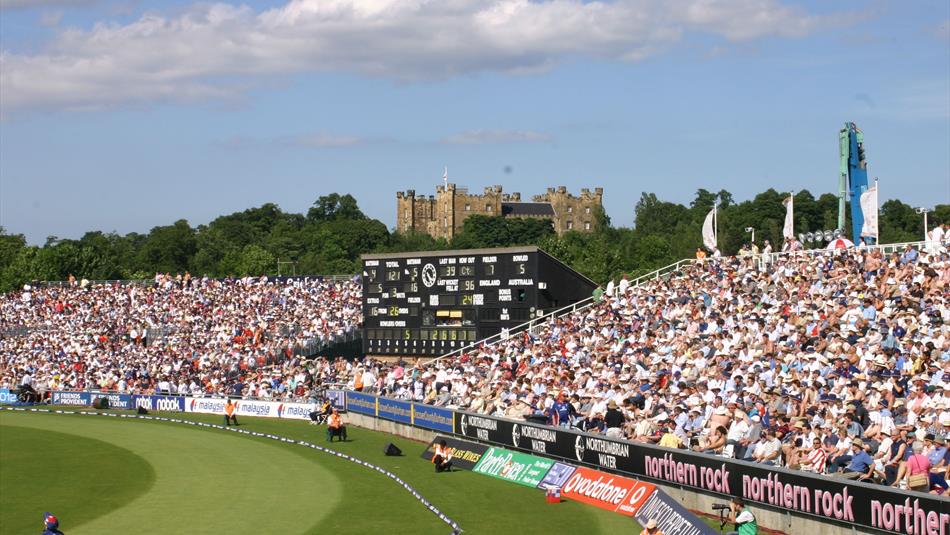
<point>720,507</point>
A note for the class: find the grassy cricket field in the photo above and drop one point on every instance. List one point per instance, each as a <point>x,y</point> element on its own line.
<point>103,475</point>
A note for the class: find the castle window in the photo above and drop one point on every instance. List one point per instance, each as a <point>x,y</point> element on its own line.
<point>570,224</point>
<point>406,213</point>
<point>445,222</point>
<point>587,225</point>
<point>587,210</point>
<point>570,209</point>
<point>468,207</point>
<point>488,208</point>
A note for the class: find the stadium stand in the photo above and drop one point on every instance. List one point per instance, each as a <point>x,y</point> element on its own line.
<point>785,359</point>
<point>825,361</point>
<point>177,335</point>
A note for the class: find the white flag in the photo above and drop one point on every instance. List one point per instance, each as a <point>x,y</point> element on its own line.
<point>869,207</point>
<point>789,230</point>
<point>709,232</point>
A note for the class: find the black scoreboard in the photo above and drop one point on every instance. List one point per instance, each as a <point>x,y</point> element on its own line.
<point>431,303</point>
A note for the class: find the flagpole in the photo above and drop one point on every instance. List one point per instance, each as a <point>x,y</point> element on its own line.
<point>791,206</point>
<point>716,223</point>
<point>877,192</point>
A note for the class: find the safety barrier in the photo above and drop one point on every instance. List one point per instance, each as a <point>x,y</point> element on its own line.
<point>453,524</point>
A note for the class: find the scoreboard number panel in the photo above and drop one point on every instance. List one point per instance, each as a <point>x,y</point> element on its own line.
<point>431,303</point>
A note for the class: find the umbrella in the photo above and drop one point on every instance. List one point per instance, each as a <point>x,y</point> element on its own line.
<point>839,243</point>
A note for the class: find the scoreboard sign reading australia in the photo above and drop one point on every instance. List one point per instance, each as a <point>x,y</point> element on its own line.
<point>430,303</point>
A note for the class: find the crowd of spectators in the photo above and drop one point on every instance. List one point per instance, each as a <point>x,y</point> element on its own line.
<point>831,362</point>
<point>174,335</point>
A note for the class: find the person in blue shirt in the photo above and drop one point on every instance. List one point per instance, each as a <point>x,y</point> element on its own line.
<point>563,411</point>
<point>861,462</point>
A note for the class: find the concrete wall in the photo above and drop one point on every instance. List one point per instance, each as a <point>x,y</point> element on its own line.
<point>773,520</point>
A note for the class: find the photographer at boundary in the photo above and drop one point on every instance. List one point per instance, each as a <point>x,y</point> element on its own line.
<point>742,517</point>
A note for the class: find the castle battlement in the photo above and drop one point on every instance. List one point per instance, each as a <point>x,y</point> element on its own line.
<point>442,215</point>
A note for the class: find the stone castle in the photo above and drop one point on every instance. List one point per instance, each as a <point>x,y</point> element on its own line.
<point>442,215</point>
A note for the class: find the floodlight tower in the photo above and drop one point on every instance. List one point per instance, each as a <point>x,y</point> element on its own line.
<point>853,177</point>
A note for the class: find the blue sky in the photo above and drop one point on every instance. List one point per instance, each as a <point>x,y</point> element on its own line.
<point>119,116</point>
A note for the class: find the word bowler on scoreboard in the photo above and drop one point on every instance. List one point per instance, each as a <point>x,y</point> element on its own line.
<point>431,303</point>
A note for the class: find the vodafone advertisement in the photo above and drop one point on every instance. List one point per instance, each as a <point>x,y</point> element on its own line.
<point>607,491</point>
<point>266,409</point>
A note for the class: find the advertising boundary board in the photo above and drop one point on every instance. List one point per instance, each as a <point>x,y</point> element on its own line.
<point>400,410</point>
<point>7,397</point>
<point>395,410</point>
<point>337,399</point>
<point>464,454</point>
<point>514,467</point>
<point>265,409</point>
<point>607,491</point>
<point>435,418</point>
<point>116,401</point>
<point>863,505</point>
<point>159,403</point>
<point>74,399</point>
<point>671,517</point>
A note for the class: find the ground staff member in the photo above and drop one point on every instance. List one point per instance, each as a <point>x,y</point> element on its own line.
<point>335,426</point>
<point>229,416</point>
<point>442,458</point>
<point>742,517</point>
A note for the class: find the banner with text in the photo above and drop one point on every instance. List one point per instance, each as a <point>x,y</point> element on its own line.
<point>7,397</point>
<point>361,403</point>
<point>116,401</point>
<point>76,399</point>
<point>831,499</point>
<point>395,410</point>
<point>160,403</point>
<point>671,517</point>
<point>607,491</point>
<point>265,409</point>
<point>435,418</point>
<point>513,466</point>
<point>464,454</point>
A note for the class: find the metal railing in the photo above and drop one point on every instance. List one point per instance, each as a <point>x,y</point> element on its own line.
<point>312,346</point>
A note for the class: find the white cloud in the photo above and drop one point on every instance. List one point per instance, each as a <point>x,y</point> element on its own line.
<point>480,137</point>
<point>303,141</point>
<point>215,51</point>
<point>27,4</point>
<point>321,141</point>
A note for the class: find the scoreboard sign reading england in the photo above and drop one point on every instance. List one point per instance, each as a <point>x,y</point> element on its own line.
<point>431,303</point>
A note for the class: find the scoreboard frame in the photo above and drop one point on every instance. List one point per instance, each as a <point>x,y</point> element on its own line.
<point>434,302</point>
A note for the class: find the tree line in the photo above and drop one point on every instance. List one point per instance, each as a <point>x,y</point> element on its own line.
<point>334,232</point>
